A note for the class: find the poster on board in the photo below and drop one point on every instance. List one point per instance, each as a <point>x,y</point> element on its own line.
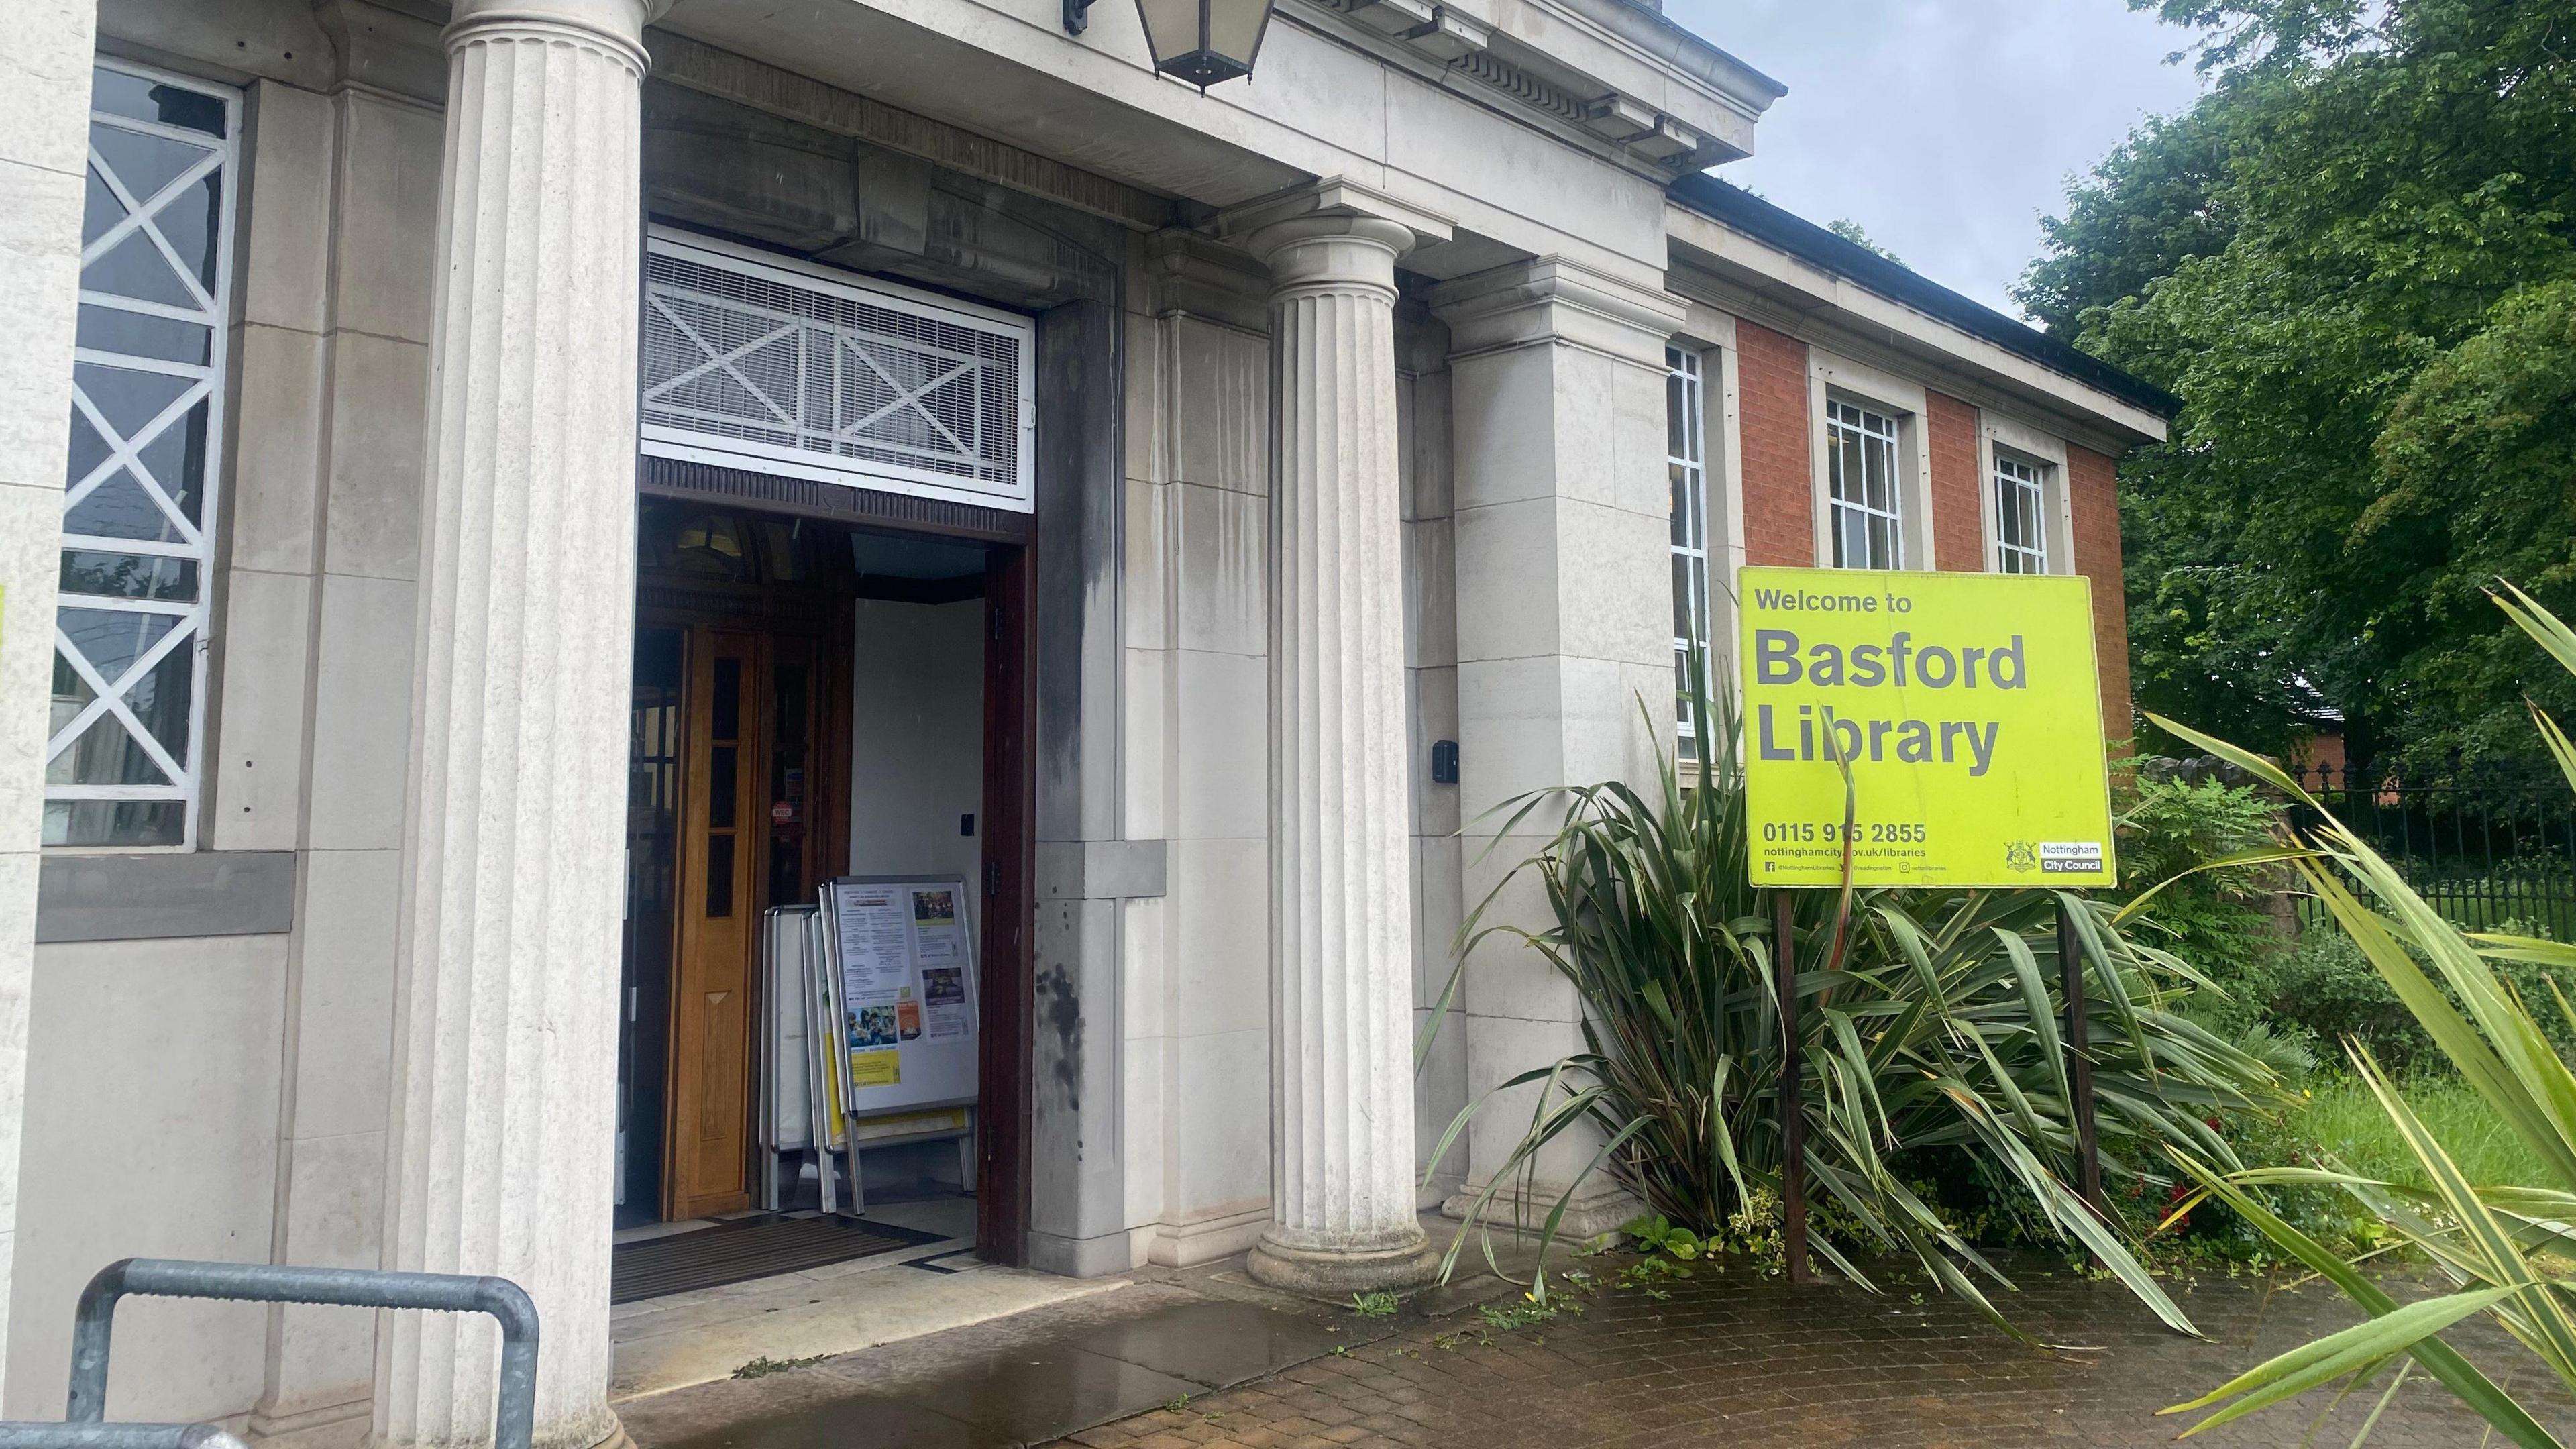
<point>903,971</point>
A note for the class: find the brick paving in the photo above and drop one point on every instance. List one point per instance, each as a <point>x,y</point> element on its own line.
<point>1728,1359</point>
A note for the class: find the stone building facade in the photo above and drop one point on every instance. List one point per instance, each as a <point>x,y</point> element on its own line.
<point>389,384</point>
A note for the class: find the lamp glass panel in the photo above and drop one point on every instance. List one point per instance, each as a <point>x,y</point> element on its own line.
<point>1234,28</point>
<point>1171,27</point>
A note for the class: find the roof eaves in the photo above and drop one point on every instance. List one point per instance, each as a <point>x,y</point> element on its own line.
<point>1738,208</point>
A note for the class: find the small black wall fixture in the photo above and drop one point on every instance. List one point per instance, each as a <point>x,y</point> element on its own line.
<point>1444,762</point>
<point>1201,42</point>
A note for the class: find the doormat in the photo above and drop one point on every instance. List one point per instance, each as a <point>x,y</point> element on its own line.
<point>747,1248</point>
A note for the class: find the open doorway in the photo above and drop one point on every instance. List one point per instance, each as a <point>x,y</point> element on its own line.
<point>811,701</point>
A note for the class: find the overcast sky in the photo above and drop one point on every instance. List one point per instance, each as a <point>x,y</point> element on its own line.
<point>1946,128</point>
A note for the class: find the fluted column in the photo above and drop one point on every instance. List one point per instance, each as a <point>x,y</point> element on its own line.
<point>1342,1189</point>
<point>505,1029</point>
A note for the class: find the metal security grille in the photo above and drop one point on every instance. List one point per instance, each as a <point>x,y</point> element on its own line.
<point>1868,511</point>
<point>2021,527</point>
<point>2492,848</point>
<point>756,363</point>
<point>139,507</point>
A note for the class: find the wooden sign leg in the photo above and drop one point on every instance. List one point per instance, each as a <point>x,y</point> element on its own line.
<point>1793,1115</point>
<point>2079,1065</point>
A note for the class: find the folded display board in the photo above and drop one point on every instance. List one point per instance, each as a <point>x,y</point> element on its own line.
<point>902,967</point>
<point>800,1094</point>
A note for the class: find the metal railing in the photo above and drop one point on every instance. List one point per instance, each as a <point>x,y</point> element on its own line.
<point>2483,847</point>
<point>85,1426</point>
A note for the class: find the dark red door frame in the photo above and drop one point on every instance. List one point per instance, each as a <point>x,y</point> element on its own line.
<point>1010,921</point>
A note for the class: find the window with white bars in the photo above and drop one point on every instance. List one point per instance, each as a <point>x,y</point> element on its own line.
<point>1863,488</point>
<point>1686,445</point>
<point>121,766</point>
<point>2021,517</point>
<point>756,362</point>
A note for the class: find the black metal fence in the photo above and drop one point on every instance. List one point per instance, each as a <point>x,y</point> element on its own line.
<point>2486,848</point>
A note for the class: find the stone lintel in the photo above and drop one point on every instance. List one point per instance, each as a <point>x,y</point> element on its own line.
<point>1555,299</point>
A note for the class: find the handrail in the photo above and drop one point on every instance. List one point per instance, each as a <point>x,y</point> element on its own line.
<point>514,1423</point>
<point>116,1436</point>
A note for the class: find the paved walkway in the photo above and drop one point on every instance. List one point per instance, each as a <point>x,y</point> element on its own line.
<point>1721,1359</point>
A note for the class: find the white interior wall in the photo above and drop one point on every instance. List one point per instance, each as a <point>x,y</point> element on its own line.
<point>917,743</point>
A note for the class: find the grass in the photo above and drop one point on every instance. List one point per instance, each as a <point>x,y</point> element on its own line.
<point>2344,1120</point>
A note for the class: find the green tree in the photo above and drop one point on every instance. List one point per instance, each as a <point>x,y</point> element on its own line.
<point>2346,259</point>
<point>1852,231</point>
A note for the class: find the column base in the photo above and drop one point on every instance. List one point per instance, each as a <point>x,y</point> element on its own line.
<point>1336,1276</point>
<point>1594,1211</point>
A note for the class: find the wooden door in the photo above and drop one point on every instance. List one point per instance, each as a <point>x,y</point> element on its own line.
<point>722,831</point>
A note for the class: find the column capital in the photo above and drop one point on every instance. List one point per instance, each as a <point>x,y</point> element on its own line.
<point>1335,207</point>
<point>1557,299</point>
<point>614,25</point>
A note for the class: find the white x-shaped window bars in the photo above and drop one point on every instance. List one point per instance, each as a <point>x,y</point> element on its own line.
<point>138,501</point>
<point>803,370</point>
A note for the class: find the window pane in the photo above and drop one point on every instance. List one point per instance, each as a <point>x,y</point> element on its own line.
<point>121,508</point>
<point>136,268</point>
<point>144,99</point>
<point>112,640</point>
<point>1683,624</point>
<point>719,876</point>
<point>113,329</point>
<point>725,708</point>
<point>105,754</point>
<point>724,775</point>
<point>129,400</point>
<point>142,162</point>
<point>161,699</point>
<point>115,822</point>
<point>129,576</point>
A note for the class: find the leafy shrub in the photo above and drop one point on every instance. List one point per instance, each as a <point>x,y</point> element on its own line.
<point>2502,1242</point>
<point>1928,1022</point>
<point>2327,987</point>
<point>2214,919</point>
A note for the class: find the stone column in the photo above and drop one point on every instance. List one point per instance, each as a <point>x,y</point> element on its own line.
<point>44,159</point>
<point>1341,898</point>
<point>505,1015</point>
<point>1564,644</point>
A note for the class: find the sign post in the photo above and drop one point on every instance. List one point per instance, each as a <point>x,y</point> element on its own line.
<point>1793,1111</point>
<point>1937,730</point>
<point>2079,1063</point>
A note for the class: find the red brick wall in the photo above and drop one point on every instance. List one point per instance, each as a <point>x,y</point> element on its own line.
<point>2092,483</point>
<point>1958,514</point>
<point>1779,497</point>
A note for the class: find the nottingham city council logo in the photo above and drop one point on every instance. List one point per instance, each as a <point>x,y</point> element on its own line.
<point>2021,855</point>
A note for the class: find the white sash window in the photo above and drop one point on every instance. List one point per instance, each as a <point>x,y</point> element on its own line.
<point>1686,459</point>
<point>2021,518</point>
<point>1865,488</point>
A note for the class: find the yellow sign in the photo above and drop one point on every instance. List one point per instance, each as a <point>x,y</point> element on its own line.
<point>882,1068</point>
<point>1967,707</point>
